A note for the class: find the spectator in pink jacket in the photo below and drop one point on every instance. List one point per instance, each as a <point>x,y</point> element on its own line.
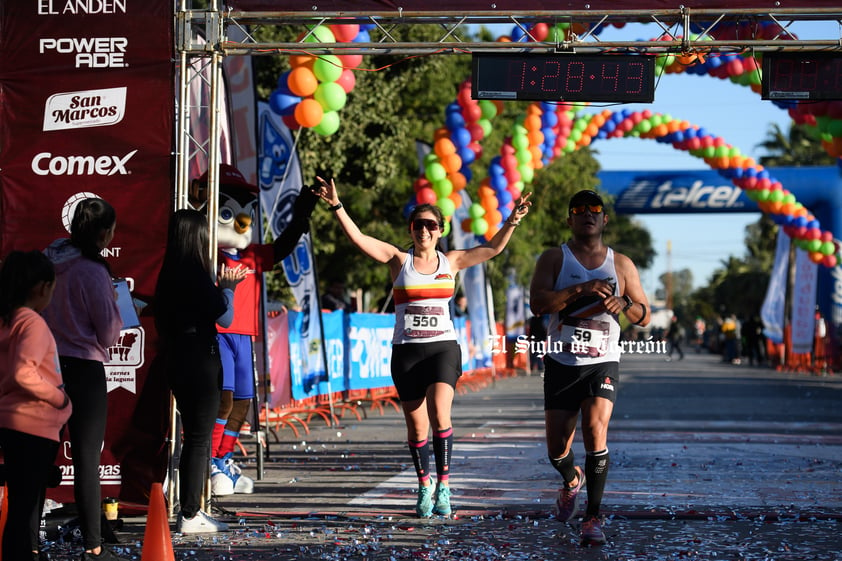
<point>85,321</point>
<point>33,404</point>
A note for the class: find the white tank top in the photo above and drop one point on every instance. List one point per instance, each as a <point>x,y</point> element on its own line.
<point>422,303</point>
<point>584,332</point>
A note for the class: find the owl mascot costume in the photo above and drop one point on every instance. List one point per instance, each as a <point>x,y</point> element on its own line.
<point>238,247</point>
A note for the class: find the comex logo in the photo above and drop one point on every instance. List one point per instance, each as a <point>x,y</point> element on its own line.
<point>90,108</point>
<point>44,163</point>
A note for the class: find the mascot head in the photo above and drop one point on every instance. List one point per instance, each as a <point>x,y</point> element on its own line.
<point>237,209</point>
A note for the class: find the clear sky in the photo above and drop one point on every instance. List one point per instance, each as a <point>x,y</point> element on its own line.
<point>700,242</point>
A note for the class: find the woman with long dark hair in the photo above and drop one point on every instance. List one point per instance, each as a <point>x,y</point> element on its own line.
<point>85,321</point>
<point>188,305</point>
<point>33,404</point>
<point>426,359</point>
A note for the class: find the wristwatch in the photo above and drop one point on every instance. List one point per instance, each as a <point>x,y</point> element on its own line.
<point>629,302</point>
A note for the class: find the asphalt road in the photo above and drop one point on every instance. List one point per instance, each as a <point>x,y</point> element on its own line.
<point>709,461</point>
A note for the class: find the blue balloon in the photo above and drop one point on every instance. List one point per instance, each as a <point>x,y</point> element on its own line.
<point>282,83</point>
<point>467,155</point>
<point>499,182</point>
<point>466,171</point>
<point>461,137</point>
<point>454,121</point>
<point>283,104</point>
<point>494,168</point>
<point>362,36</point>
<point>504,198</point>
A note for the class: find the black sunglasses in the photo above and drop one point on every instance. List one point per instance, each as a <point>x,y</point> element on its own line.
<point>580,209</point>
<point>430,225</point>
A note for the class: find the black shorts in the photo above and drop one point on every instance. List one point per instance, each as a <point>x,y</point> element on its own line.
<point>416,366</point>
<point>566,387</point>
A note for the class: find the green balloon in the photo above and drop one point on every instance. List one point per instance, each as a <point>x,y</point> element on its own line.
<point>435,172</point>
<point>331,96</point>
<point>327,68</point>
<point>520,141</point>
<point>488,109</point>
<point>447,208</point>
<point>479,226</point>
<point>442,188</point>
<point>527,174</point>
<point>523,156</point>
<point>329,123</point>
<point>485,124</point>
<point>321,34</point>
<point>827,248</point>
<point>446,229</point>
<point>777,196</point>
<point>476,211</point>
<point>814,245</point>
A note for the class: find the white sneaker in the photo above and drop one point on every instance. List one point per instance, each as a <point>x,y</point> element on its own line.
<point>201,523</point>
<point>222,485</point>
<point>244,484</point>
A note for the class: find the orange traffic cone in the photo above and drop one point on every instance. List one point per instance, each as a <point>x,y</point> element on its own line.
<point>157,542</point>
<point>4,514</point>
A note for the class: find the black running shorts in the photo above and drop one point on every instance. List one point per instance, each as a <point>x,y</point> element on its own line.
<point>416,366</point>
<point>566,387</point>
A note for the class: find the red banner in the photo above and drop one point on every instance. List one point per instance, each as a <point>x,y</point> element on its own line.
<point>86,107</point>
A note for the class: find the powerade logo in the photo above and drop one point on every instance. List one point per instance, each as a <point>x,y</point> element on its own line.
<point>47,164</point>
<point>91,108</point>
<point>667,195</point>
<point>80,7</point>
<point>90,52</point>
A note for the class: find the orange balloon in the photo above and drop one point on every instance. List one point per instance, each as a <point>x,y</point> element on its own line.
<point>536,155</point>
<point>441,132</point>
<point>532,122</point>
<point>302,60</point>
<point>308,113</point>
<point>485,191</point>
<point>660,130</point>
<point>488,203</point>
<point>443,147</point>
<point>458,180</point>
<point>534,109</point>
<point>466,225</point>
<point>591,130</point>
<point>536,138</point>
<point>674,126</point>
<point>451,163</point>
<point>456,198</point>
<point>493,217</point>
<point>302,82</point>
<point>598,120</point>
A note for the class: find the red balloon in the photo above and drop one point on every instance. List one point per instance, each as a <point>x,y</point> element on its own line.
<point>421,183</point>
<point>350,61</point>
<point>290,122</point>
<point>426,196</point>
<point>346,32</point>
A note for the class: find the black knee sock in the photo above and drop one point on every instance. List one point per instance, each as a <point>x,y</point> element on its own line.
<point>443,446</point>
<point>420,452</point>
<point>565,466</point>
<point>596,472</point>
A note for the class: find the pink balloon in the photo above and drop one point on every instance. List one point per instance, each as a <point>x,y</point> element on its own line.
<point>347,80</point>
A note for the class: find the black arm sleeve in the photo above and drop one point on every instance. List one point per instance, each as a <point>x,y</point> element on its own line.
<point>300,224</point>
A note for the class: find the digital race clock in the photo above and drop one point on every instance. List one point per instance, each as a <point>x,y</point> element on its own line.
<point>564,77</point>
<point>801,75</point>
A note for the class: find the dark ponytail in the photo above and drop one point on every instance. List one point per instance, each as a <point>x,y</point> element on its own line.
<point>92,217</point>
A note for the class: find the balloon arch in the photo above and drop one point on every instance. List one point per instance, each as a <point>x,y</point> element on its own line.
<point>314,91</point>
